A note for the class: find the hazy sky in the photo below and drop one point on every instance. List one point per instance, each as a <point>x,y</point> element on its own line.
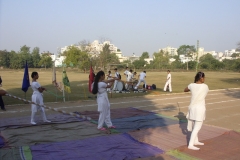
<point>134,26</point>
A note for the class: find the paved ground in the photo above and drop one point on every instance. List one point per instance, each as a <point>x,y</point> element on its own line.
<point>223,106</point>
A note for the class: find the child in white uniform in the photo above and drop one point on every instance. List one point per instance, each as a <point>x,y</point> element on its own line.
<point>196,109</point>
<point>109,77</point>
<point>37,98</point>
<point>100,88</point>
<point>116,81</point>
<point>168,82</point>
<point>142,77</point>
<point>129,79</point>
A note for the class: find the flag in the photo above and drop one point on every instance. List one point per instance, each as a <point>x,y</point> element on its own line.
<point>25,83</point>
<point>66,82</point>
<point>54,80</point>
<point>91,79</point>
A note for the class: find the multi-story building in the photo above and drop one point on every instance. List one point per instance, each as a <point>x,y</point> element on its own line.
<point>171,51</point>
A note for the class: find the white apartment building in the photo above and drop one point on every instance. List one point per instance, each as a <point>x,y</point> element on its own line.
<point>171,51</point>
<point>228,53</point>
<point>58,60</point>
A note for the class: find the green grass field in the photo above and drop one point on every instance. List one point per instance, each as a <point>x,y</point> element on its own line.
<point>12,82</point>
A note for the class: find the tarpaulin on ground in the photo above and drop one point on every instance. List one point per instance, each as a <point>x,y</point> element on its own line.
<point>1,141</point>
<point>118,113</point>
<point>225,146</point>
<point>173,136</point>
<point>25,121</point>
<point>140,122</point>
<point>18,153</point>
<point>117,147</point>
<point>50,133</point>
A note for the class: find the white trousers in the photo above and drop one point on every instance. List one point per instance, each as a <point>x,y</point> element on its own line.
<point>169,85</point>
<point>115,85</point>
<point>34,113</point>
<point>197,125</point>
<point>104,116</point>
<point>141,80</point>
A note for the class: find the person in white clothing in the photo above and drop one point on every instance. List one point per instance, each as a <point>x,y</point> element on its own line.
<point>141,78</point>
<point>126,73</point>
<point>168,82</point>
<point>196,110</point>
<point>100,88</point>
<point>129,79</point>
<point>116,75</point>
<point>37,98</point>
<point>109,77</point>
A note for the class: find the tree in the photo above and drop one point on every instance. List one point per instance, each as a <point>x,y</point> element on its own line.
<point>46,61</point>
<point>36,57</point>
<point>24,55</point>
<point>76,58</point>
<point>5,57</point>
<point>144,55</point>
<point>161,60</point>
<point>186,50</point>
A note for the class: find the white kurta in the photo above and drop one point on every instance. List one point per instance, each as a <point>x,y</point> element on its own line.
<point>102,97</point>
<point>103,106</point>
<point>37,97</point>
<point>197,109</point>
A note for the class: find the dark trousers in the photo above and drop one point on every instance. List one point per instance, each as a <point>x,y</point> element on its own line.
<point>2,103</point>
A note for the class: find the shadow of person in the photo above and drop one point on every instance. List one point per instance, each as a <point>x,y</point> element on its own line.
<point>183,125</point>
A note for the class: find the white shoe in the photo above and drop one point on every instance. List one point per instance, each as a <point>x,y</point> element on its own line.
<point>199,143</point>
<point>47,121</point>
<point>193,148</point>
<point>33,123</point>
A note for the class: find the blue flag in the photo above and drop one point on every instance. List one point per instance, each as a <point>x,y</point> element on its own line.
<point>25,83</point>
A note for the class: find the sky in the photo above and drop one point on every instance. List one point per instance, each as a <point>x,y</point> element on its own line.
<point>134,26</point>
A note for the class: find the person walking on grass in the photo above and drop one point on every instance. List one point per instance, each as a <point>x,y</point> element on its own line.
<point>100,88</point>
<point>196,110</point>
<point>37,97</point>
<point>168,82</point>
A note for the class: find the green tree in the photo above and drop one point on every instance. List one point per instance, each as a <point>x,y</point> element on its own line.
<point>161,60</point>
<point>5,57</point>
<point>186,50</point>
<point>36,57</point>
<point>76,58</point>
<point>45,61</point>
<point>24,55</point>
<point>16,60</point>
<point>144,55</point>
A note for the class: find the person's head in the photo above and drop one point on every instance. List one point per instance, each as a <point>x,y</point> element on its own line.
<point>131,70</point>
<point>98,78</point>
<point>126,68</point>
<point>144,71</point>
<point>200,77</point>
<point>34,75</point>
<point>115,69</point>
<point>135,73</point>
<point>109,72</point>
<point>168,71</point>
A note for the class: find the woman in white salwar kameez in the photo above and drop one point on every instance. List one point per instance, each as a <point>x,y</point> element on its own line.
<point>100,86</point>
<point>196,110</point>
<point>37,98</point>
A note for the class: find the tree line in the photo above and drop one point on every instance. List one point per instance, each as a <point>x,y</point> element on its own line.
<point>17,60</point>
<point>82,57</point>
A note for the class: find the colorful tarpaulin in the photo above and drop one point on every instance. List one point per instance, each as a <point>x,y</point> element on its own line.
<point>66,82</point>
<point>25,83</point>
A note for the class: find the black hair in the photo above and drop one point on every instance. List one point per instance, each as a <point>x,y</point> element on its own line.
<point>109,71</point>
<point>168,70</point>
<point>144,71</point>
<point>34,74</point>
<point>96,80</point>
<point>126,67</point>
<point>135,72</point>
<point>198,76</point>
<point>130,70</point>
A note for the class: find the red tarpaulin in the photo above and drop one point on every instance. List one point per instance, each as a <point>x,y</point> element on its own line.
<point>91,78</point>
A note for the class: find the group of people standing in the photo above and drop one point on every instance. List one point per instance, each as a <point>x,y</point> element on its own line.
<point>196,110</point>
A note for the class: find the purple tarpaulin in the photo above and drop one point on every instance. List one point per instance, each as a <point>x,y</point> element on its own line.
<point>121,146</point>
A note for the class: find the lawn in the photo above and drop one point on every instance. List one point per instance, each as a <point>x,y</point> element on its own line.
<point>12,82</point>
